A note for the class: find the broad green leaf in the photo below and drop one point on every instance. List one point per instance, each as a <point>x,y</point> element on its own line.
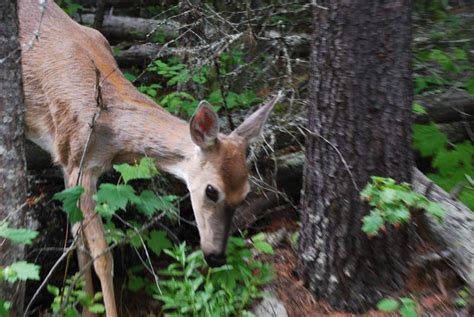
<point>372,223</point>
<point>418,109</point>
<point>111,198</point>
<point>408,311</point>
<point>263,247</point>
<point>460,54</point>
<point>388,305</point>
<point>443,59</point>
<point>467,197</point>
<point>24,271</point>
<point>134,237</point>
<point>407,301</point>
<point>388,195</point>
<point>53,289</point>
<point>128,76</point>
<point>258,237</point>
<point>148,203</point>
<point>470,85</point>
<point>4,308</point>
<point>98,296</point>
<point>96,308</point>
<point>18,236</point>
<point>428,139</point>
<point>435,210</point>
<point>408,198</point>
<point>158,241</point>
<point>135,283</point>
<point>70,197</point>
<point>145,169</point>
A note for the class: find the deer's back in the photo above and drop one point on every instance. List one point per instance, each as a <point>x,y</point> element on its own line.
<point>59,75</point>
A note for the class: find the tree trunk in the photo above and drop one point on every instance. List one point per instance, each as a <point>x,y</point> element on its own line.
<point>360,103</point>
<point>13,181</point>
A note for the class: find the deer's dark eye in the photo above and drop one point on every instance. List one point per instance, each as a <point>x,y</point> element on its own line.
<point>212,193</point>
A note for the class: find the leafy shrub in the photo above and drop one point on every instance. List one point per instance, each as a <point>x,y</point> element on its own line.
<point>392,203</point>
<point>452,163</point>
<point>189,288</point>
<point>17,271</point>
<point>113,197</point>
<point>177,73</point>
<point>76,296</point>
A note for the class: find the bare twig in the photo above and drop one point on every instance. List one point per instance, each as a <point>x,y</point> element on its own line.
<point>71,247</point>
<point>314,134</point>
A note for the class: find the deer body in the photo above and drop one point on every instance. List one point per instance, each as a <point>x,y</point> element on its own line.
<point>60,73</point>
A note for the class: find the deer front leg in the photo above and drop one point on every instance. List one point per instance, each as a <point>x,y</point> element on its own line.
<point>103,261</point>
<point>93,230</point>
<point>83,259</point>
<point>83,256</point>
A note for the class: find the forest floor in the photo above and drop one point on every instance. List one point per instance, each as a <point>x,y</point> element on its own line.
<point>434,286</point>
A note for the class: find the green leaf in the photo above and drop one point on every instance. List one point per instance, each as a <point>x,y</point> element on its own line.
<point>145,169</point>
<point>372,223</point>
<point>460,54</point>
<point>263,247</point>
<point>435,210</point>
<point>428,139</point>
<point>402,214</point>
<point>24,271</point>
<point>470,85</point>
<point>111,198</point>
<point>418,109</point>
<point>96,308</point>
<point>4,308</point>
<point>147,203</point>
<point>70,197</point>
<point>158,241</point>
<point>135,240</point>
<point>135,283</point>
<point>408,311</point>
<point>53,289</point>
<point>18,236</point>
<point>407,301</point>
<point>388,305</point>
<point>259,237</point>
<point>389,195</point>
<point>443,59</point>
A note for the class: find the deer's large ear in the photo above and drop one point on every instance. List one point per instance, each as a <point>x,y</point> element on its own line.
<point>251,128</point>
<point>204,126</point>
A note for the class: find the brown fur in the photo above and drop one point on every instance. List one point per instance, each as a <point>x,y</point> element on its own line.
<point>233,170</point>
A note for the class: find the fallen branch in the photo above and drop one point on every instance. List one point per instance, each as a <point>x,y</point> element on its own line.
<point>140,53</point>
<point>127,28</point>
<point>456,232</point>
<point>121,3</point>
<point>446,107</point>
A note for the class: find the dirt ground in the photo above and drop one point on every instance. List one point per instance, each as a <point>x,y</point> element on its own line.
<point>433,286</point>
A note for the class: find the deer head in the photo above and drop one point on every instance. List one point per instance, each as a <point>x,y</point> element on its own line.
<point>218,176</point>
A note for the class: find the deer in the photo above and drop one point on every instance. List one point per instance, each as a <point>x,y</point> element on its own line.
<point>59,82</point>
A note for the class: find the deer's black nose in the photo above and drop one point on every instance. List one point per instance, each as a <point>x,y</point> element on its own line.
<point>215,260</point>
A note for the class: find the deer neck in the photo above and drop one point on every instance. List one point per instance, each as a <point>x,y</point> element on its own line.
<point>148,130</point>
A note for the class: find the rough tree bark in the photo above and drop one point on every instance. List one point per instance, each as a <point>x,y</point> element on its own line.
<point>360,103</point>
<point>13,181</point>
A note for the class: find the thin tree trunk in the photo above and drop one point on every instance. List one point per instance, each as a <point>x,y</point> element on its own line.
<point>13,181</point>
<point>99,14</point>
<point>360,104</point>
